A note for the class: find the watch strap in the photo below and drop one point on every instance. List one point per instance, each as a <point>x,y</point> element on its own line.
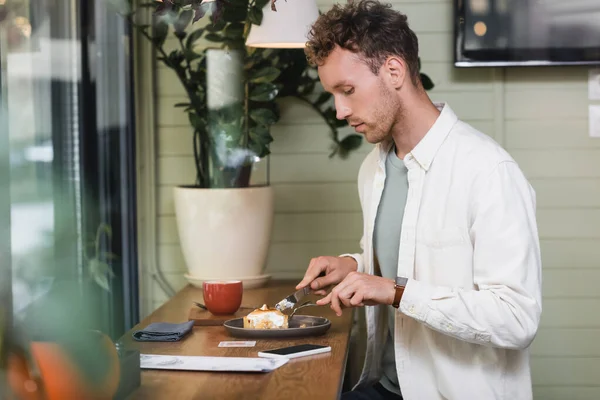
<point>399,286</point>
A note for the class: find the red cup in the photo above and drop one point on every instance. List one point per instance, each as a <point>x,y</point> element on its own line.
<point>222,297</point>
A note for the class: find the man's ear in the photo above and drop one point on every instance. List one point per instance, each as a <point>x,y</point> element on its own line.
<point>396,70</point>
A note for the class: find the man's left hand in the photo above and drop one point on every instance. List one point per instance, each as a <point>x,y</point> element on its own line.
<point>358,290</point>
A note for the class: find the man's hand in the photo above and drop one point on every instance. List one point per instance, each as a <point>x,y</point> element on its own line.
<point>358,290</point>
<point>335,269</point>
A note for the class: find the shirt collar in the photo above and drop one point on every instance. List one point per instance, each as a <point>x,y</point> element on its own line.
<point>426,149</point>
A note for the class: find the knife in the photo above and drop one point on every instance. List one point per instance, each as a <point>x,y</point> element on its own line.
<point>293,299</point>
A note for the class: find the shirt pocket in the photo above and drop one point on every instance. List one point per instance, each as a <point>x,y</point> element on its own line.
<point>444,257</point>
<point>442,238</point>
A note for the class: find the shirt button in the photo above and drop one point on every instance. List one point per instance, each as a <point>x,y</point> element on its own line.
<point>411,309</point>
<point>449,328</point>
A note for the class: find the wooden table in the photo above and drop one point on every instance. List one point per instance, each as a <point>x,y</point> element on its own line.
<point>312,377</point>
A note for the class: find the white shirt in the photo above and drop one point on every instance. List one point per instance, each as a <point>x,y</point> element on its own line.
<point>470,249</point>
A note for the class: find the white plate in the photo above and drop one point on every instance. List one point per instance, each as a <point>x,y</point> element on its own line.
<point>250,282</point>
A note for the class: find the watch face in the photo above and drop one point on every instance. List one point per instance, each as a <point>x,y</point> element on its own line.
<point>401,281</point>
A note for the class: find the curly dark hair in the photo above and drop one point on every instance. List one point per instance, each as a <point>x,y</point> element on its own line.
<point>368,28</point>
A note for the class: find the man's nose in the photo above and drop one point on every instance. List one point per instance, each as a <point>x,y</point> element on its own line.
<point>342,111</point>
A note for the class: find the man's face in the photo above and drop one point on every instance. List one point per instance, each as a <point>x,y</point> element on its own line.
<point>361,97</point>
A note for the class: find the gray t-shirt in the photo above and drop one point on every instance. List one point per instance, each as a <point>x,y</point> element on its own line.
<point>386,241</point>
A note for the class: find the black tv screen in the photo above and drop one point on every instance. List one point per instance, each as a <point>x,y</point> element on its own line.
<point>526,32</point>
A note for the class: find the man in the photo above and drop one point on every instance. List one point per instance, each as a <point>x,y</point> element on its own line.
<point>450,243</point>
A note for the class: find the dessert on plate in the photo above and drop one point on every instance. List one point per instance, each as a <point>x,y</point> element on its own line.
<point>266,318</point>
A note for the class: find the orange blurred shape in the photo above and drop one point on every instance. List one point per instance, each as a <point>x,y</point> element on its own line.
<point>59,376</point>
<point>20,381</point>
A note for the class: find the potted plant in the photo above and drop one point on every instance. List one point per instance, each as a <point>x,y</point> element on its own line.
<point>224,221</point>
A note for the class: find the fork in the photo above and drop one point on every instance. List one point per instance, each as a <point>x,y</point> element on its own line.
<point>305,304</point>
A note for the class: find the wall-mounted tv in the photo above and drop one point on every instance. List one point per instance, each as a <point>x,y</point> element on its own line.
<point>490,33</point>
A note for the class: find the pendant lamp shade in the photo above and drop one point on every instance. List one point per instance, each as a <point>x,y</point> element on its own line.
<point>286,28</point>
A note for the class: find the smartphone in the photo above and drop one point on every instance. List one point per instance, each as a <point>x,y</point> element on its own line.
<point>300,350</point>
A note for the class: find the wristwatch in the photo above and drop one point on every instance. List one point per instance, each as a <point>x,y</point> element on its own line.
<point>399,287</point>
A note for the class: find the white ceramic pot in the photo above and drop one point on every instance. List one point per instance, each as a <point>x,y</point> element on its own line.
<point>224,233</point>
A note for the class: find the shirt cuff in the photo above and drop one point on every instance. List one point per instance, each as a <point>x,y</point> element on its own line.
<point>415,299</point>
<point>418,302</point>
<point>359,261</point>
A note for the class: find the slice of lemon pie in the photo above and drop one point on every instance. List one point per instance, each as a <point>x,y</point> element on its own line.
<point>266,318</point>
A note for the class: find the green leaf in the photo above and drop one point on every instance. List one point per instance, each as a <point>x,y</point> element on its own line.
<point>182,105</point>
<point>234,31</point>
<point>268,52</point>
<point>263,116</point>
<point>340,123</point>
<point>176,57</point>
<point>214,37</point>
<point>264,75</point>
<point>260,134</point>
<point>105,228</point>
<point>159,33</point>
<point>260,137</point>
<point>200,9</point>
<point>427,82</point>
<point>306,89</point>
<point>102,281</point>
<point>255,15</point>
<point>249,61</point>
<point>234,44</point>
<point>197,122</point>
<point>329,114</point>
<point>259,149</point>
<point>199,74</point>
<point>101,272</point>
<point>351,142</point>
<point>191,55</point>
<point>195,35</point>
<point>323,97</point>
<point>184,19</point>
<point>180,35</point>
<point>261,3</point>
<point>235,11</point>
<point>217,26</point>
<point>110,257</point>
<point>263,92</point>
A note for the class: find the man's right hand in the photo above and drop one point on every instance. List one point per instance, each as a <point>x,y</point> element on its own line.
<point>335,269</point>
